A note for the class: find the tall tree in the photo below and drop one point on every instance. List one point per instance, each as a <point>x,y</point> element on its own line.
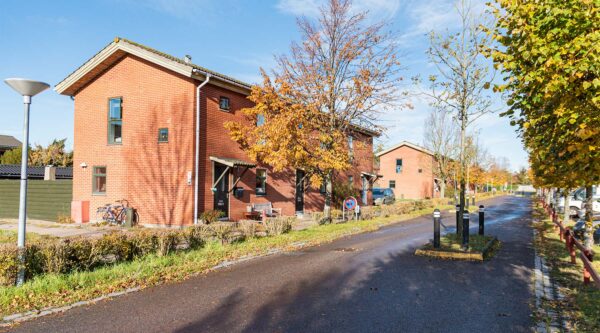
<point>462,80</point>
<point>548,51</point>
<point>441,138</point>
<point>54,154</point>
<point>341,75</point>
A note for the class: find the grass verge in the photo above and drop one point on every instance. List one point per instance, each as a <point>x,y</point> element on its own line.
<point>480,248</point>
<point>581,303</point>
<point>53,290</point>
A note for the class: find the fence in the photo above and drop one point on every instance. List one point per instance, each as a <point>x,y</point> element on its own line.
<point>46,200</point>
<point>586,255</point>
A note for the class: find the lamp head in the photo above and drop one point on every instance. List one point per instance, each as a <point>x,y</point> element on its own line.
<point>27,87</point>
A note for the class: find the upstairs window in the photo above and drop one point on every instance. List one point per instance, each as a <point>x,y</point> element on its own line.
<point>163,135</point>
<point>115,120</point>
<point>420,170</point>
<point>392,184</point>
<point>261,182</point>
<point>224,103</point>
<point>351,180</point>
<point>399,165</point>
<point>99,180</point>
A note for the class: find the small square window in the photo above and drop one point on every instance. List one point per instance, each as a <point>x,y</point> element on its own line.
<point>392,184</point>
<point>420,170</point>
<point>224,103</point>
<point>163,135</point>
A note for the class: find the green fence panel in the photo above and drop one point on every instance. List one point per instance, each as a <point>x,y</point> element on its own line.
<point>46,200</point>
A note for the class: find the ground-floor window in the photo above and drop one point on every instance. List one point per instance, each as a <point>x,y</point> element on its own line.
<point>261,182</point>
<point>99,180</point>
<point>392,184</point>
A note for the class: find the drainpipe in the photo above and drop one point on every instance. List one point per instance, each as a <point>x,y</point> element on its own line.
<point>197,157</point>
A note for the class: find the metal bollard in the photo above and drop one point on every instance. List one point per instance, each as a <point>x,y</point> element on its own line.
<point>465,242</point>
<point>467,202</point>
<point>436,228</point>
<point>481,219</point>
<point>457,217</point>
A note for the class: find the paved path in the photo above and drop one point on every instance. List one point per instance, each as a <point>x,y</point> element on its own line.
<point>365,283</point>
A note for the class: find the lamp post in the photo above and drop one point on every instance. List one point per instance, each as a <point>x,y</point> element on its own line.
<point>27,89</point>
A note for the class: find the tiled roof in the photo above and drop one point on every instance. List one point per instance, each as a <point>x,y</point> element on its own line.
<point>14,171</point>
<point>166,56</point>
<point>181,61</point>
<point>7,141</point>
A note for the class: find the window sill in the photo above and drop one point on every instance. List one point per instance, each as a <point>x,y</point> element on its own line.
<point>96,194</point>
<point>225,110</point>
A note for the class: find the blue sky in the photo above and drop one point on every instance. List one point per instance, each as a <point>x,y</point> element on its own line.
<point>47,40</point>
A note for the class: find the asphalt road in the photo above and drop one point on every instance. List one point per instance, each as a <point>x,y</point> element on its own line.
<point>365,283</point>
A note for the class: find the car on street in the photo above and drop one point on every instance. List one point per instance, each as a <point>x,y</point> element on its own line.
<point>383,196</point>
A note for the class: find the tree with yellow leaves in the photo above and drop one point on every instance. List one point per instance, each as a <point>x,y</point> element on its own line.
<point>341,75</point>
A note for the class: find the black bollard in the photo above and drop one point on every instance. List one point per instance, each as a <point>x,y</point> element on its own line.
<point>467,202</point>
<point>481,219</point>
<point>473,200</point>
<point>465,242</point>
<point>436,228</point>
<point>457,212</point>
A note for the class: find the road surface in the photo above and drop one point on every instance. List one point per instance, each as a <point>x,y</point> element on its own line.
<point>365,283</point>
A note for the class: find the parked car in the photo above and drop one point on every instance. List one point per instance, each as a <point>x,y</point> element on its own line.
<point>576,202</point>
<point>383,196</point>
<point>579,229</point>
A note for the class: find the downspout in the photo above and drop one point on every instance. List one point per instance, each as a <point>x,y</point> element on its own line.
<point>197,157</point>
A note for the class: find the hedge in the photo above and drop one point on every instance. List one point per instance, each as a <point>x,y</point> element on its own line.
<point>68,255</point>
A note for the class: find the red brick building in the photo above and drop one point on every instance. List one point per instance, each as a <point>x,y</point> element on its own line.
<point>136,138</point>
<point>408,170</point>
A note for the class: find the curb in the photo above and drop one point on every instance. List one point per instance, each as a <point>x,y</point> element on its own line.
<point>473,256</point>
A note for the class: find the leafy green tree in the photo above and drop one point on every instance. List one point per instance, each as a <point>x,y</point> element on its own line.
<point>12,156</point>
<point>548,51</point>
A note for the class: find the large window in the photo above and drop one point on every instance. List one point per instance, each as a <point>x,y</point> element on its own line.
<point>392,184</point>
<point>261,182</point>
<point>399,165</point>
<point>115,120</point>
<point>99,180</point>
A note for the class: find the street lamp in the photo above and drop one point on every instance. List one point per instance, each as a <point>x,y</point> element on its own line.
<point>28,89</point>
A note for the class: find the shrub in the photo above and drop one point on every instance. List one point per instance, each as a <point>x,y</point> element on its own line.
<point>222,231</point>
<point>211,216</point>
<point>341,191</point>
<point>248,228</point>
<point>279,225</point>
<point>64,218</point>
<point>8,264</point>
<point>370,212</point>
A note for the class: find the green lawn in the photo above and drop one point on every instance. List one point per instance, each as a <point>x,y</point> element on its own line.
<point>582,303</point>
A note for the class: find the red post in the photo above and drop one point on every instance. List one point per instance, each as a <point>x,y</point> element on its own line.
<point>560,232</point>
<point>571,243</point>
<point>264,215</point>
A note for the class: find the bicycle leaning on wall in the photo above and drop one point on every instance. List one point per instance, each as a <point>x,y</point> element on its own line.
<point>115,213</point>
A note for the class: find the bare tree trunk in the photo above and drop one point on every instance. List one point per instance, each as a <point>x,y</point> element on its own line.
<point>328,196</point>
<point>443,189</point>
<point>462,178</point>
<point>567,212</point>
<point>588,238</point>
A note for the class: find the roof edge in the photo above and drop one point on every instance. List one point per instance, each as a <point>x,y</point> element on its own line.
<point>405,143</point>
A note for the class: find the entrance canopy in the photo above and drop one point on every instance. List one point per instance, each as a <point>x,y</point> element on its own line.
<point>371,176</point>
<point>232,162</point>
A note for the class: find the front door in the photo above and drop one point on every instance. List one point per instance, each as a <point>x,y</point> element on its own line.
<point>221,194</point>
<point>300,191</point>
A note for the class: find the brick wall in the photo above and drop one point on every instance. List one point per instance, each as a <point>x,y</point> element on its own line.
<point>410,183</point>
<point>153,175</point>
